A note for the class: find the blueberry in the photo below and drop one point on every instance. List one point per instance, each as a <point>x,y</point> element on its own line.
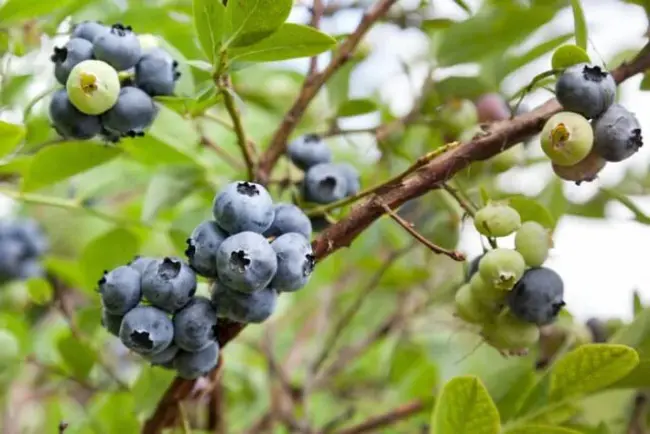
<point>202,248</point>
<point>497,220</point>
<point>29,268</point>
<point>134,112</point>
<point>12,254</point>
<point>246,262</point>
<point>586,89</point>
<point>89,30</point>
<point>617,134</point>
<point>146,330</point>
<point>65,58</point>
<point>140,263</point>
<point>120,290</point>
<point>111,322</point>
<point>155,73</point>
<point>69,122</point>
<point>164,357</point>
<point>93,86</point>
<point>325,183</point>
<point>31,234</point>
<point>538,296</point>
<point>168,284</point>
<point>295,262</point>
<point>244,308</point>
<point>119,47</point>
<point>195,365</point>
<point>309,150</point>
<point>243,206</point>
<point>352,178</point>
<point>289,218</point>
<point>195,325</point>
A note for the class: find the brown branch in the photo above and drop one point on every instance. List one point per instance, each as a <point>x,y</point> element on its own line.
<point>396,415</point>
<point>316,14</point>
<point>312,86</point>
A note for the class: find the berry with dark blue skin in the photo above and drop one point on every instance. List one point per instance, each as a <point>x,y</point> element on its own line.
<point>195,325</point>
<point>243,206</point>
<point>194,365</point>
<point>146,330</point>
<point>89,30</point>
<point>12,255</point>
<point>168,284</point>
<point>156,73</point>
<point>617,134</point>
<point>75,51</point>
<point>29,268</point>
<point>586,89</point>
<point>246,262</point>
<point>131,115</point>
<point>120,290</point>
<point>118,47</point>
<point>111,322</point>
<point>202,248</point>
<point>309,150</point>
<point>140,263</point>
<point>164,357</point>
<point>30,234</point>
<point>352,178</point>
<point>244,308</point>
<point>68,121</point>
<point>289,218</point>
<point>296,262</point>
<point>325,183</point>
<point>319,223</point>
<point>538,296</point>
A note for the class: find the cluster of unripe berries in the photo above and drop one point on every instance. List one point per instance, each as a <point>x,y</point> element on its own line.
<point>110,79</point>
<point>22,244</point>
<point>508,292</point>
<point>579,148</point>
<point>251,251</point>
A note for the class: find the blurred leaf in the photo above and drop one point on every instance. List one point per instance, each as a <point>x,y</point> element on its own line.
<point>465,407</point>
<point>115,413</point>
<point>463,5</point>
<point>554,414</point>
<point>355,107</point>
<point>637,303</point>
<point>291,41</point>
<point>645,82</point>
<point>251,21</point>
<point>16,10</point>
<point>508,388</point>
<point>463,87</point>
<point>149,388</point>
<point>209,22</point>
<point>635,334</point>
<point>639,215</point>
<point>13,87</point>
<point>58,162</point>
<point>65,269</point>
<point>338,87</point>
<point>531,210</point>
<point>538,429</point>
<point>112,249</point>
<point>167,188</point>
<point>40,290</point>
<point>569,55</point>
<point>512,63</point>
<point>639,378</point>
<point>10,137</point>
<point>78,356</point>
<point>579,24</point>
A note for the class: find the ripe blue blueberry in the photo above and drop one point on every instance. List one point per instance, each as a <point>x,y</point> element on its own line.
<point>617,134</point>
<point>586,89</point>
<point>168,284</point>
<point>120,290</point>
<point>202,248</point>
<point>118,47</point>
<point>296,262</point>
<point>30,234</point>
<point>538,296</point>
<point>29,268</point>
<point>246,262</point>
<point>195,325</point>
<point>75,51</point>
<point>146,330</point>
<point>156,73</point>
<point>12,254</point>
<point>164,357</point>
<point>140,263</point>
<point>243,206</point>
<point>352,178</point>
<point>89,30</point>
<point>309,150</point>
<point>131,115</point>
<point>194,365</point>
<point>325,183</point>
<point>244,308</point>
<point>68,121</point>
<point>111,322</point>
<point>289,218</point>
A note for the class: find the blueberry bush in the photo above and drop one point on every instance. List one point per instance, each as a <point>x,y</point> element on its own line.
<point>213,224</point>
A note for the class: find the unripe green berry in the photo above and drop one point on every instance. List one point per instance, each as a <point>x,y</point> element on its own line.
<point>510,333</point>
<point>502,268</point>
<point>533,241</point>
<point>497,220</point>
<point>567,138</point>
<point>9,347</point>
<point>458,115</point>
<point>485,293</point>
<point>93,87</point>
<point>468,308</point>
<point>585,170</point>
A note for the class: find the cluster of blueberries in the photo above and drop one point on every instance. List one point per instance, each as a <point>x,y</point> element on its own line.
<point>593,129</point>
<point>251,251</point>
<point>22,244</point>
<point>508,292</point>
<point>110,77</point>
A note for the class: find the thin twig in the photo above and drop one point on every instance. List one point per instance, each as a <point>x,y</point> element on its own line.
<point>244,145</point>
<point>316,14</point>
<point>466,203</point>
<point>389,418</point>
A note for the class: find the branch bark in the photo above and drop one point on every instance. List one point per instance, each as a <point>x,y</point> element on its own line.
<point>396,415</point>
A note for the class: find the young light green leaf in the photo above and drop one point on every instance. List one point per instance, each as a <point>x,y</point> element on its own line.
<point>10,137</point>
<point>291,41</point>
<point>40,291</point>
<point>538,429</point>
<point>635,334</point>
<point>167,188</point>
<point>78,356</point>
<point>58,162</point>
<point>531,210</point>
<point>568,55</point>
<point>251,21</point>
<point>463,5</point>
<point>589,368</point>
<point>112,249</point>
<point>209,22</point>
<point>579,24</point>
<point>513,63</point>
<point>639,378</point>
<point>465,407</point>
<point>355,107</point>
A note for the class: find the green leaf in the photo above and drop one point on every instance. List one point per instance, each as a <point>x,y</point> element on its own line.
<point>58,162</point>
<point>639,215</point>
<point>645,82</point>
<point>589,368</point>
<point>65,269</point>
<point>209,22</point>
<point>463,5</point>
<point>40,291</point>
<point>513,63</point>
<point>355,107</point>
<point>167,188</point>
<point>579,24</point>
<point>531,210</point>
<point>465,407</point>
<point>251,21</point>
<point>112,249</point>
<point>639,378</point>
<point>78,356</point>
<point>150,387</point>
<point>291,41</point>
<point>568,55</point>
<point>538,429</point>
<point>637,303</point>
<point>10,137</point>
<point>16,10</point>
